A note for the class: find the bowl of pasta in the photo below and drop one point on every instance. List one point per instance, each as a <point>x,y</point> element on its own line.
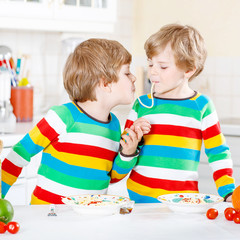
<point>190,202</point>
<point>96,203</point>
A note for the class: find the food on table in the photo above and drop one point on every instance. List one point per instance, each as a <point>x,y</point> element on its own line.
<point>236,199</point>
<point>236,218</point>
<point>13,227</point>
<point>212,213</point>
<point>96,200</point>
<point>3,227</point>
<point>229,213</point>
<point>6,211</point>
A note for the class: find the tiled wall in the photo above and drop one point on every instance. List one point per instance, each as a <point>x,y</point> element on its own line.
<point>221,81</point>
<point>48,52</point>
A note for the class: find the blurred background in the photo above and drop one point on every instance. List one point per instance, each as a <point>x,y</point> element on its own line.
<point>44,32</point>
<point>48,30</point>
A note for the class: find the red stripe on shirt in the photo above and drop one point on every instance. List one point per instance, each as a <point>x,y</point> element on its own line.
<point>170,185</point>
<point>47,196</point>
<point>176,131</point>
<point>129,123</point>
<point>9,167</point>
<point>47,130</point>
<point>211,131</point>
<point>85,150</point>
<point>222,172</point>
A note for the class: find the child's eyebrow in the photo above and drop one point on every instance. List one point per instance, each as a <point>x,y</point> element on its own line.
<point>162,62</point>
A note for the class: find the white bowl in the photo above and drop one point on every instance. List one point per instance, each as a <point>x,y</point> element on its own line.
<point>189,202</point>
<point>98,204</point>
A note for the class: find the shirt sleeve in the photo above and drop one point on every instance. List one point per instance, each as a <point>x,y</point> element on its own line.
<point>217,151</point>
<point>32,143</point>
<point>122,166</point>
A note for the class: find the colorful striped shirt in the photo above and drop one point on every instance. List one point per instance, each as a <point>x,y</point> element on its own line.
<point>77,155</point>
<point>169,158</point>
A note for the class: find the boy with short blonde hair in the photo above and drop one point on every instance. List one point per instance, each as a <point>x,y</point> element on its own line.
<point>80,139</point>
<point>178,122</point>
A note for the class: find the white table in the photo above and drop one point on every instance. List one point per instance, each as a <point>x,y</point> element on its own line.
<point>147,221</point>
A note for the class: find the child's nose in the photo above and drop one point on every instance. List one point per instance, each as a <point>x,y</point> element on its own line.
<point>133,78</point>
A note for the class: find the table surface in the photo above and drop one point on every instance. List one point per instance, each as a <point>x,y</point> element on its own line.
<point>147,221</point>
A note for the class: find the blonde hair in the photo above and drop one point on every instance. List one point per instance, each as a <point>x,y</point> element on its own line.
<point>92,60</point>
<point>187,45</point>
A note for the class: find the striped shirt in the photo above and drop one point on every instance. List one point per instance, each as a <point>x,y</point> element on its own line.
<point>169,159</point>
<point>77,155</point>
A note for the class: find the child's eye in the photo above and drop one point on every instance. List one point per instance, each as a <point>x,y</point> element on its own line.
<point>127,74</point>
<point>150,65</point>
<point>163,67</point>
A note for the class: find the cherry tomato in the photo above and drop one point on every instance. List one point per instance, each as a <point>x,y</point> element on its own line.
<point>3,227</point>
<point>13,227</point>
<point>229,208</point>
<point>212,213</point>
<point>229,213</point>
<point>236,218</point>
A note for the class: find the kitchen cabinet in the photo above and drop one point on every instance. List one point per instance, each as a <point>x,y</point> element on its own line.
<point>58,15</point>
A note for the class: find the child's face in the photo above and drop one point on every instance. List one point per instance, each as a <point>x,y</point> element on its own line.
<point>124,88</point>
<point>169,80</point>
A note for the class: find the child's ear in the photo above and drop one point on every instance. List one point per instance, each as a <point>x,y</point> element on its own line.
<point>189,73</point>
<point>104,85</point>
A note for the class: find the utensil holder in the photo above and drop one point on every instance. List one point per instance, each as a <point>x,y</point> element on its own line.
<point>22,103</point>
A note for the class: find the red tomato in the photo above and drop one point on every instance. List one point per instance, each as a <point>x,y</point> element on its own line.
<point>229,208</point>
<point>229,213</point>
<point>3,227</point>
<point>13,227</point>
<point>236,218</point>
<point>212,213</point>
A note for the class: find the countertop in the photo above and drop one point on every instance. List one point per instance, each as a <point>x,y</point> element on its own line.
<point>146,222</point>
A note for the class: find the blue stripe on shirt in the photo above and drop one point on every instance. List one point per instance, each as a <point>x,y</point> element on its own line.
<point>224,190</point>
<point>74,171</point>
<point>170,152</point>
<point>141,199</point>
<point>30,146</point>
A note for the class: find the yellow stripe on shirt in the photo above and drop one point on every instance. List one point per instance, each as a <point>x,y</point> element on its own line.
<point>8,178</point>
<point>36,201</point>
<point>173,141</point>
<point>38,138</point>
<point>80,160</point>
<point>150,192</point>
<point>224,180</point>
<point>214,141</point>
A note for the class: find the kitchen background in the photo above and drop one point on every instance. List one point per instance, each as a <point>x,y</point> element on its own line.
<point>47,31</point>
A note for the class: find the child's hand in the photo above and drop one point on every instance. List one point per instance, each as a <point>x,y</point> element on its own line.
<point>144,124</point>
<point>130,139</point>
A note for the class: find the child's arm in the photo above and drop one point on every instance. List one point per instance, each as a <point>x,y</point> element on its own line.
<point>219,156</point>
<point>31,144</point>
<point>127,156</point>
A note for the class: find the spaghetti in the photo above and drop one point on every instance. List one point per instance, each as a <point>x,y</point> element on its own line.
<point>151,98</point>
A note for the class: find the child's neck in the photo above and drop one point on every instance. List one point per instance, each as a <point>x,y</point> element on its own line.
<point>178,93</point>
<point>96,109</point>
